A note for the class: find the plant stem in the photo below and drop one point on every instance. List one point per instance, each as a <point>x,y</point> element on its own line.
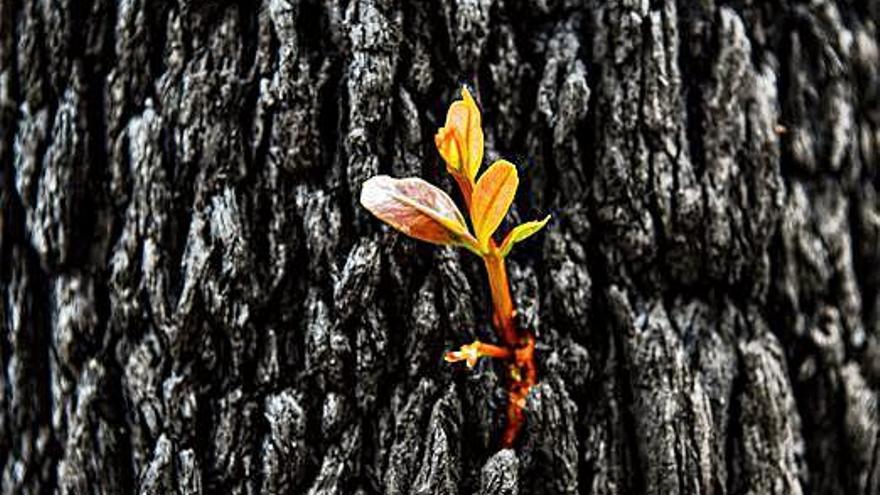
<point>466,189</point>
<point>501,300</point>
<point>521,369</point>
<point>494,351</point>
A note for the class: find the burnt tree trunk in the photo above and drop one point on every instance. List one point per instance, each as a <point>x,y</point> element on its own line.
<point>193,301</point>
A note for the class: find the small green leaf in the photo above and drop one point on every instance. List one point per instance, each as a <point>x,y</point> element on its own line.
<point>521,232</point>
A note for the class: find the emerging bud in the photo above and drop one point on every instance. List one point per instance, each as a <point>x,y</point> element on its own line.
<point>470,353</point>
<point>460,141</point>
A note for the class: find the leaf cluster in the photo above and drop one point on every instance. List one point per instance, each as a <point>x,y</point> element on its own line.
<point>423,211</point>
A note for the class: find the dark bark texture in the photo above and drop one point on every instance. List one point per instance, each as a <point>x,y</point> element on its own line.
<point>193,301</point>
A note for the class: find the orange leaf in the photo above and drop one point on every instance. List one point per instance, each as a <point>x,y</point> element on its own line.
<point>460,141</point>
<point>492,198</point>
<point>416,208</point>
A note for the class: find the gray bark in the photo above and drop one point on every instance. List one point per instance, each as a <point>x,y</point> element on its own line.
<point>192,301</point>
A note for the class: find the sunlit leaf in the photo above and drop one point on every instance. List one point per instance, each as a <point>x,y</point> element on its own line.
<point>473,136</point>
<point>492,198</point>
<point>460,140</point>
<point>416,208</point>
<point>521,232</point>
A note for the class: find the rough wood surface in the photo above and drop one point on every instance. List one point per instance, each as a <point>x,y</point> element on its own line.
<point>192,301</point>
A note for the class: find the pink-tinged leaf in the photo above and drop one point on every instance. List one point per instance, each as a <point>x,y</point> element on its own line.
<point>492,198</point>
<point>521,232</point>
<point>416,208</point>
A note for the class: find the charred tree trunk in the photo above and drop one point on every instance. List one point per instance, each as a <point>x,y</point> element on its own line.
<point>194,302</point>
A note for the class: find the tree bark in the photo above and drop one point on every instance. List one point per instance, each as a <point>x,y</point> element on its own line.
<point>193,301</point>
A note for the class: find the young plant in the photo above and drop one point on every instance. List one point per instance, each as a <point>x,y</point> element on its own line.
<point>421,210</point>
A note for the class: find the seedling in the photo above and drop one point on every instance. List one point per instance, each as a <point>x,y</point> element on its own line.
<point>425,212</point>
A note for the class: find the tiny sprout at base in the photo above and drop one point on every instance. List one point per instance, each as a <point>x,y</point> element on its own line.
<point>423,211</point>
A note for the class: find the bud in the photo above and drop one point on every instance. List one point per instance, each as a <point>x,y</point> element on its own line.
<point>460,141</point>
